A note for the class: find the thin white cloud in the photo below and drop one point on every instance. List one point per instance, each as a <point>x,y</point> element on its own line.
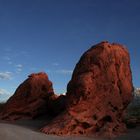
<point>5,75</point>
<point>55,64</point>
<point>4,95</point>
<point>7,56</point>
<point>4,92</point>
<point>19,69</point>
<point>19,66</point>
<point>64,71</point>
<point>8,59</point>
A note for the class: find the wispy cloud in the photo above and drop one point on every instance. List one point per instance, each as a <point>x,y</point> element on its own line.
<point>19,68</point>
<point>55,64</point>
<point>4,92</point>
<point>64,71</point>
<point>5,75</point>
<point>4,95</point>
<point>8,59</point>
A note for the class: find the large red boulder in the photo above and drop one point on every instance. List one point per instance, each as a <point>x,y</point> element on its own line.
<point>97,95</point>
<point>30,99</point>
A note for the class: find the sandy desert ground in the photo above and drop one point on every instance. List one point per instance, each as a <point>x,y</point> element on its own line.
<point>28,130</point>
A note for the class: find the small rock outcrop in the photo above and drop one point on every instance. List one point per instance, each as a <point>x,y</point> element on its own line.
<point>31,99</point>
<point>97,95</point>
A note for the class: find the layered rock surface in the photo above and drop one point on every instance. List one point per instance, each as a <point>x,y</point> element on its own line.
<point>97,95</point>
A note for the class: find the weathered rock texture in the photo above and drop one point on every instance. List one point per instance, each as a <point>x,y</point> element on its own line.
<point>30,99</point>
<point>97,95</point>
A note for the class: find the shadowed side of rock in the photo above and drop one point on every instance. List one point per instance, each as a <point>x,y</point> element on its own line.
<point>97,95</point>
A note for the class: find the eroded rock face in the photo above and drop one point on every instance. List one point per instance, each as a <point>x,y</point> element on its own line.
<point>98,93</point>
<point>30,99</point>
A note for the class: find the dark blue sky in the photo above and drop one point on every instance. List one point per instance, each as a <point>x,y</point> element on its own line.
<point>51,35</point>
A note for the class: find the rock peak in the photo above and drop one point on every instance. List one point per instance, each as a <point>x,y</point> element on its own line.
<point>40,74</point>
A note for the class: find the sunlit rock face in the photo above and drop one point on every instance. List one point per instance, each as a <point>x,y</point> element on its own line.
<point>98,93</point>
<point>30,99</point>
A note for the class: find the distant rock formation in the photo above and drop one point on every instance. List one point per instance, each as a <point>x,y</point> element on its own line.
<point>133,110</point>
<point>97,95</point>
<point>136,100</point>
<point>33,98</point>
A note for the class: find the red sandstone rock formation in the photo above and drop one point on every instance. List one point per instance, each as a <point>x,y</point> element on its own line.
<point>30,99</point>
<point>97,95</point>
